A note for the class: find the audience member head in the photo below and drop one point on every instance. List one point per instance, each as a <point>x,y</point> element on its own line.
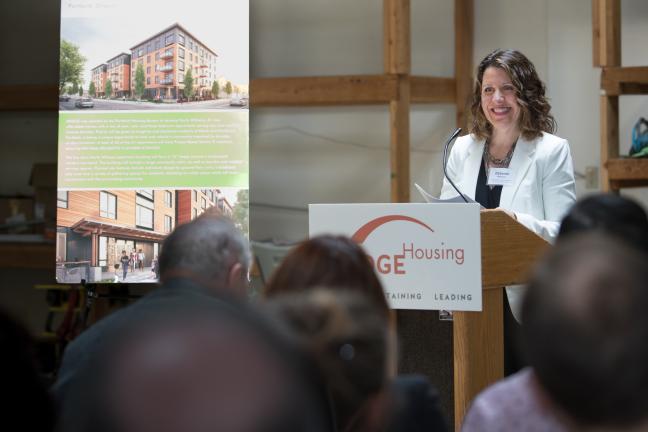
<point>611,214</point>
<point>210,250</point>
<point>195,370</point>
<point>586,327</point>
<point>333,261</point>
<point>27,404</point>
<point>346,335</point>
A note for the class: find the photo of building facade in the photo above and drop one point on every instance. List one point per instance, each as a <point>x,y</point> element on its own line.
<point>94,227</point>
<point>167,57</point>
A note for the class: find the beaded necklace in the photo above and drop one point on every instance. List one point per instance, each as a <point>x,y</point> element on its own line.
<point>489,160</point>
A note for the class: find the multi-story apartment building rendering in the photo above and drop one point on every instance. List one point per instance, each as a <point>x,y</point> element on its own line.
<point>166,57</point>
<point>95,226</point>
<point>99,75</point>
<point>192,203</point>
<point>118,71</point>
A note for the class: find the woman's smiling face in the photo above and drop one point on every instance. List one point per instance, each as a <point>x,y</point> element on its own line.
<point>499,100</point>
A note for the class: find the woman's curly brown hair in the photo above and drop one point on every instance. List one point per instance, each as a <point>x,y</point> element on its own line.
<point>535,116</point>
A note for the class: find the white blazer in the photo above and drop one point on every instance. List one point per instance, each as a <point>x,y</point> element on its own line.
<point>543,188</point>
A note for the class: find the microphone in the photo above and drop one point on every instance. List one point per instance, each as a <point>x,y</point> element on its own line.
<point>445,162</point>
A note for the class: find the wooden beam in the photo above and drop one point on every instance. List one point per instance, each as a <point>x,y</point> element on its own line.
<point>396,34</point>
<point>399,114</point>
<point>432,90</point>
<point>464,24</point>
<point>25,97</point>
<point>609,106</point>
<point>596,33</point>
<point>478,344</point>
<point>624,80</point>
<point>323,90</point>
<point>606,32</point>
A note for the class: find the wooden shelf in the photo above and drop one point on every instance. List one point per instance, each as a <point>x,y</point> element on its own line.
<point>38,97</point>
<point>626,169</point>
<point>616,81</point>
<point>39,256</point>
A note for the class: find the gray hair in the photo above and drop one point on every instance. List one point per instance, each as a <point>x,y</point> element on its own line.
<point>206,247</point>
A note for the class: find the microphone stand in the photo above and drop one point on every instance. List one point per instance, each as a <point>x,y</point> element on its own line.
<point>445,162</point>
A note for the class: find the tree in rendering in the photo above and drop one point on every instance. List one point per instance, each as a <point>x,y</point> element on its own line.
<point>74,89</point>
<point>80,90</point>
<point>188,84</point>
<point>108,88</point>
<point>92,90</point>
<point>215,89</point>
<point>228,88</point>
<point>71,64</point>
<point>139,81</point>
<point>241,211</point>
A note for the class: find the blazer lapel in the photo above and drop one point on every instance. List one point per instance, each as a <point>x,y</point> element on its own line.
<point>471,169</point>
<point>520,163</point>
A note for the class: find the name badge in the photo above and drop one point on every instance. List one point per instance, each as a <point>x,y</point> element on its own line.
<point>500,177</point>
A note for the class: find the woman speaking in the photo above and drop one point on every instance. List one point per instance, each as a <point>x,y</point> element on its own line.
<point>510,160</point>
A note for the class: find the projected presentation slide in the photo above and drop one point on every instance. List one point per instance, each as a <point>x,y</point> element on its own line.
<point>153,129</point>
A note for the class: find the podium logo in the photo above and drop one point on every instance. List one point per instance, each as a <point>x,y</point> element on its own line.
<point>386,263</point>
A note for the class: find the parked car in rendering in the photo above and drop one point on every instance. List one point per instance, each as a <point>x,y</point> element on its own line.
<point>84,103</point>
<point>238,101</point>
<point>64,98</point>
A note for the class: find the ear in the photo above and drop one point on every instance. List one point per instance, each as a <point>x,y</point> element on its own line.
<point>236,279</point>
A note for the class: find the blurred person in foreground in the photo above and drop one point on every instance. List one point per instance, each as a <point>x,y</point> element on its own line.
<point>193,370</point>
<point>205,260</point>
<point>327,260</point>
<point>343,267</point>
<point>611,214</point>
<point>585,327</point>
<point>26,405</point>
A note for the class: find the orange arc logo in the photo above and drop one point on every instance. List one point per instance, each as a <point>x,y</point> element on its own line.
<point>365,230</point>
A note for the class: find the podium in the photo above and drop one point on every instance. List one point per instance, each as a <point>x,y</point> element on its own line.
<point>508,252</point>
<point>466,355</point>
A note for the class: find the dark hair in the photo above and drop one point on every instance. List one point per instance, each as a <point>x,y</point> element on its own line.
<point>346,336</point>
<point>27,401</point>
<point>333,261</point>
<point>205,247</point>
<point>535,116</point>
<point>615,215</point>
<point>585,329</point>
<point>208,365</point>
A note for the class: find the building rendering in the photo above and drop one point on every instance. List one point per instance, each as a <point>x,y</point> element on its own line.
<point>118,71</point>
<point>166,58</point>
<point>193,203</point>
<point>95,226</point>
<point>99,77</point>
